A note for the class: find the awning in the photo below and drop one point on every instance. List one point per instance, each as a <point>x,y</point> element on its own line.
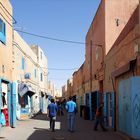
<point>23,89</point>
<point>125,68</point>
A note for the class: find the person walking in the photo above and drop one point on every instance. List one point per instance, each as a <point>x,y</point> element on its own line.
<point>52,111</point>
<point>71,109</point>
<point>100,118</point>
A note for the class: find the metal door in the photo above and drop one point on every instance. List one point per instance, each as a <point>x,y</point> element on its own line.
<point>135,107</point>
<point>125,117</point>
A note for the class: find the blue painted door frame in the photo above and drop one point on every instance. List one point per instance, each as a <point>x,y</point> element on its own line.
<point>13,104</point>
<point>94,98</point>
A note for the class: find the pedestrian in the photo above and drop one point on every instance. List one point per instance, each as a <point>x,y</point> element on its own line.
<point>71,109</point>
<point>100,118</point>
<point>52,111</point>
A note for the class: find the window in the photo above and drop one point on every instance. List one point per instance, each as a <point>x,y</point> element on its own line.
<point>41,77</point>
<point>23,63</point>
<point>2,32</point>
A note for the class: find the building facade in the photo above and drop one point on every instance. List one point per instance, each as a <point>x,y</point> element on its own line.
<point>42,72</point>
<point>25,75</point>
<point>122,77</point>
<point>6,65</point>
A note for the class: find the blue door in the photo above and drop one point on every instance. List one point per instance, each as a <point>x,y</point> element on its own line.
<point>125,116</point>
<point>135,107</point>
<point>129,107</point>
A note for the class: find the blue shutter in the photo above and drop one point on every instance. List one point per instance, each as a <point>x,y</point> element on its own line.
<point>23,63</point>
<point>2,32</point>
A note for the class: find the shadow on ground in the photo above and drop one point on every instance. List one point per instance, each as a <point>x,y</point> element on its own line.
<point>84,131</point>
<point>40,116</point>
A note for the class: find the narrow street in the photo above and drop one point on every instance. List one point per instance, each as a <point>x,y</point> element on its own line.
<point>38,129</point>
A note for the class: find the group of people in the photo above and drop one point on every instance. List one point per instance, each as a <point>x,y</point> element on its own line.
<point>71,109</point>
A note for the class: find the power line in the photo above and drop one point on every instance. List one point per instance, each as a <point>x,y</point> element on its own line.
<point>50,38</point>
<point>59,69</point>
<point>56,79</point>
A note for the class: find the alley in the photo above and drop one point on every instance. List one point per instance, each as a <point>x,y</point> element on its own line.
<point>38,129</point>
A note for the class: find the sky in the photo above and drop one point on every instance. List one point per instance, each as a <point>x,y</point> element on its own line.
<point>60,19</point>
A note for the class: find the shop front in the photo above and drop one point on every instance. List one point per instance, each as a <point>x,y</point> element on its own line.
<point>25,93</point>
<point>7,103</point>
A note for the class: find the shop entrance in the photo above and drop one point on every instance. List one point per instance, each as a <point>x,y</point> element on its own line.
<point>5,89</point>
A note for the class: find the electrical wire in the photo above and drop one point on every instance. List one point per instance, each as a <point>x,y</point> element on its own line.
<point>50,38</point>
<point>59,68</point>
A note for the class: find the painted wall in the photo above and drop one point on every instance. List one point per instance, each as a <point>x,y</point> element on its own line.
<point>6,49</point>
<point>114,11</point>
<point>22,51</point>
<point>43,67</point>
<point>117,55</point>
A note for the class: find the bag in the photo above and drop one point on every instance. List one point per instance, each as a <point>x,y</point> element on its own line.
<point>54,118</point>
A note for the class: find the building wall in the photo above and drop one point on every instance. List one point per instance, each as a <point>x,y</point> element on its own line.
<point>25,63</point>
<point>101,36</point>
<point>6,49</point>
<point>64,91</point>
<point>75,86</point>
<point>42,67</point>
<point>51,88</point>
<point>117,57</point>
<point>22,50</point>
<point>70,87</point>
<point>95,41</point>
<point>114,10</point>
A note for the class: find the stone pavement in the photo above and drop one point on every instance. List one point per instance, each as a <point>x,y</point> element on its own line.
<point>38,129</point>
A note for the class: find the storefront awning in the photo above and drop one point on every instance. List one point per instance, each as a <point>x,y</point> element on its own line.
<point>23,89</point>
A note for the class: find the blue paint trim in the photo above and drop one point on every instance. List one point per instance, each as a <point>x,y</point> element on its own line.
<point>13,111</point>
<point>3,32</point>
<point>23,63</point>
<point>9,104</point>
<point>113,110</point>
